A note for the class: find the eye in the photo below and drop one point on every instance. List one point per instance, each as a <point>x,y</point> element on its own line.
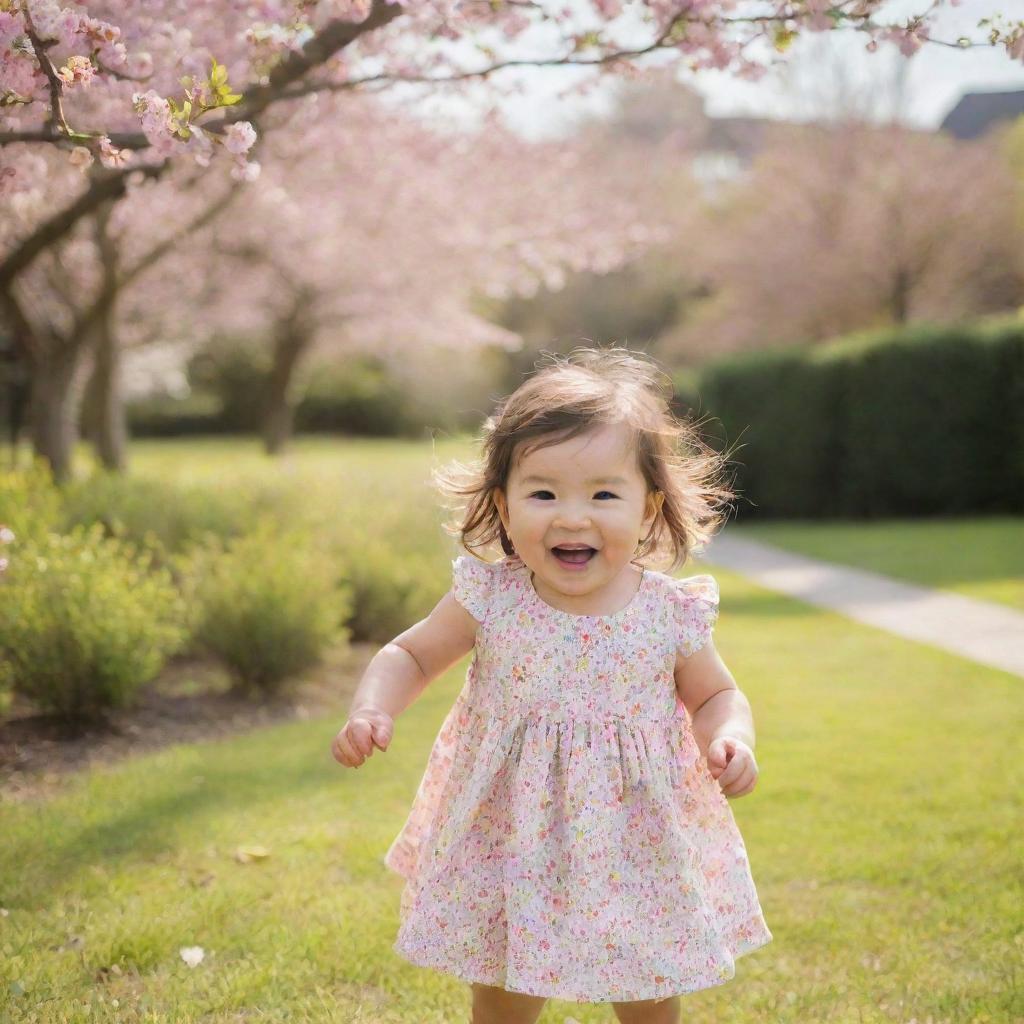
<point>609,493</point>
<point>537,493</point>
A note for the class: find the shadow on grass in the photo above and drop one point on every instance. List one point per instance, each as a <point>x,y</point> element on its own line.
<point>45,854</point>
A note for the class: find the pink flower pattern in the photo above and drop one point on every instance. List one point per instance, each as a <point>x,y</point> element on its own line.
<point>567,838</point>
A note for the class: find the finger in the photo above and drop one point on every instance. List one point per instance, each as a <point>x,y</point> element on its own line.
<point>743,784</point>
<point>350,757</point>
<point>358,732</point>
<point>731,775</point>
<point>738,766</point>
<point>339,754</point>
<point>381,736</point>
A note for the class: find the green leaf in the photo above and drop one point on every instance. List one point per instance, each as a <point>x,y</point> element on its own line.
<point>218,75</point>
<point>783,39</point>
<point>229,99</point>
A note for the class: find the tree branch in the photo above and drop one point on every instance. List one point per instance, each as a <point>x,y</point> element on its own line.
<point>113,283</point>
<point>334,36</point>
<point>110,186</point>
<point>46,65</point>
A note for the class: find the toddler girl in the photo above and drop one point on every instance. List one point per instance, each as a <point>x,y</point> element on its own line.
<point>571,836</point>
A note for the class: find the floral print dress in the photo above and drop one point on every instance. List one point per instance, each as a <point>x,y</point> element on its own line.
<point>567,838</point>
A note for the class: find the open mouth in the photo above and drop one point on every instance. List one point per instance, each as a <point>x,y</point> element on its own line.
<point>574,556</point>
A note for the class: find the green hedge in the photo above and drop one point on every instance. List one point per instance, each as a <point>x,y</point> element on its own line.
<point>927,420</point>
<point>357,396</point>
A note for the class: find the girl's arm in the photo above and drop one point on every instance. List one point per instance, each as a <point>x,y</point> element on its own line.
<point>716,705</point>
<point>402,668</point>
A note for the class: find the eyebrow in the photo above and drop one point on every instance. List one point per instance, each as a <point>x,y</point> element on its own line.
<point>534,479</point>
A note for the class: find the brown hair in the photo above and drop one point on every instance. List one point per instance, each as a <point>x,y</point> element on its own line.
<point>572,394</point>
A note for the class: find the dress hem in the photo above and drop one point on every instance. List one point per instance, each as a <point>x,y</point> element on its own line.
<point>663,992</point>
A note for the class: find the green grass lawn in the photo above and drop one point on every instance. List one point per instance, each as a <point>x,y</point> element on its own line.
<point>883,836</point>
<point>981,558</point>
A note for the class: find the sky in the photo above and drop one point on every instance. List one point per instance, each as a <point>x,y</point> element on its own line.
<point>930,83</point>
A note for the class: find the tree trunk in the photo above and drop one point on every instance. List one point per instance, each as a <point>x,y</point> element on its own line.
<point>290,342</point>
<point>899,302</point>
<point>103,410</point>
<point>106,409</point>
<point>52,415</point>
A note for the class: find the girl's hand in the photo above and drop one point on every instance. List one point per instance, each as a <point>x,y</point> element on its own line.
<point>732,762</point>
<point>364,730</point>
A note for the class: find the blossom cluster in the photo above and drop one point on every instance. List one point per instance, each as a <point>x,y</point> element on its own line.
<point>86,50</point>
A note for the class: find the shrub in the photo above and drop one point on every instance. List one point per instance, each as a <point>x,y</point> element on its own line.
<point>358,396</point>
<point>266,603</point>
<point>391,589</point>
<point>167,416</point>
<point>30,503</point>
<point>85,621</point>
<point>162,515</point>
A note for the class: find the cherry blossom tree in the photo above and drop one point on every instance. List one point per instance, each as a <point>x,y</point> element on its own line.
<point>130,93</point>
<point>383,235</point>
<point>73,76</point>
<point>838,229</point>
<point>64,304</point>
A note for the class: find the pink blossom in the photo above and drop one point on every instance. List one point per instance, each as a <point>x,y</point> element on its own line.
<point>140,64</point>
<point>29,171</point>
<point>81,158</point>
<point>20,75</point>
<point>200,146</point>
<point>609,8</point>
<point>10,28</point>
<point>909,39</point>
<point>155,113</point>
<point>102,31</point>
<point>46,18</point>
<point>111,157</point>
<point>114,54</point>
<point>244,170</point>
<point>239,137</point>
<point>77,69</point>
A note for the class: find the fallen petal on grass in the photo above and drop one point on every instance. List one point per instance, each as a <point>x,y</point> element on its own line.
<point>192,955</point>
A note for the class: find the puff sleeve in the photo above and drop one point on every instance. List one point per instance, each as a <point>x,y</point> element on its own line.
<point>472,585</point>
<point>695,611</point>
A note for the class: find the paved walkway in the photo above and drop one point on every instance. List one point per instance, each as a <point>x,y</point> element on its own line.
<point>989,633</point>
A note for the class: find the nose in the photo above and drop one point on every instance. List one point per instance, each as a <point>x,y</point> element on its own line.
<point>570,517</point>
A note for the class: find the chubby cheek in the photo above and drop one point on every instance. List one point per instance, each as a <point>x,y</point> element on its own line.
<point>530,525</point>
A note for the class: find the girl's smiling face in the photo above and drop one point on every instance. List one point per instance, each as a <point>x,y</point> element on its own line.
<point>586,494</point>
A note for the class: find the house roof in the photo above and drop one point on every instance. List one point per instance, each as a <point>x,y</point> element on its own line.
<point>977,112</point>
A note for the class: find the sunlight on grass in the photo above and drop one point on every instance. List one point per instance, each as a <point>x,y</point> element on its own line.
<point>883,833</point>
<point>881,836</point>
